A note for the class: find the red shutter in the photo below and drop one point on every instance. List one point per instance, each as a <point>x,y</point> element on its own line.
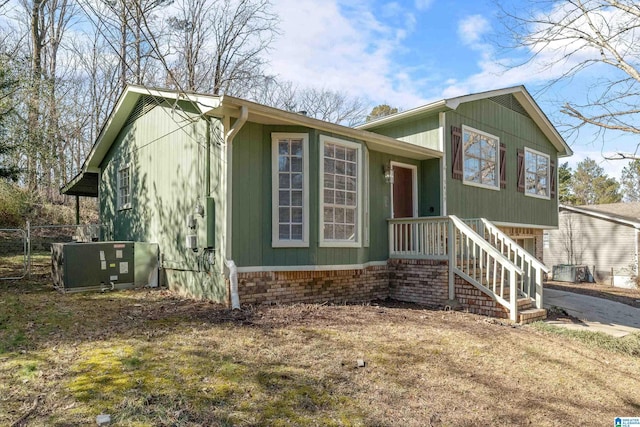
<point>521,171</point>
<point>553,178</point>
<point>503,166</point>
<point>456,152</point>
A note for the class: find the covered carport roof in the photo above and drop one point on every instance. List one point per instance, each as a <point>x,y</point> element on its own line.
<point>84,184</point>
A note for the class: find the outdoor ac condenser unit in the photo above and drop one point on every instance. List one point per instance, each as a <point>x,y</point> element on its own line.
<point>77,267</point>
<point>571,273</point>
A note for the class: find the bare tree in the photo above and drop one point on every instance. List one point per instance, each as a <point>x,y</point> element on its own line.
<point>188,36</point>
<point>242,32</point>
<point>577,36</point>
<point>571,238</point>
<point>332,106</point>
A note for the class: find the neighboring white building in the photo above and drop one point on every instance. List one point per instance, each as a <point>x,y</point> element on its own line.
<point>602,237</point>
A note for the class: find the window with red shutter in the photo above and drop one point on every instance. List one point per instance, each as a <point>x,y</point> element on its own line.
<point>521,171</point>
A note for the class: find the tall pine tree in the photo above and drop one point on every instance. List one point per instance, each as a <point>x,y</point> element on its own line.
<point>631,181</point>
<point>592,186</point>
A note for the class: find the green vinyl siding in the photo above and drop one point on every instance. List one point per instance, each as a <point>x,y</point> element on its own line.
<point>251,204</point>
<point>422,131</point>
<point>166,151</point>
<point>507,205</point>
<point>430,190</point>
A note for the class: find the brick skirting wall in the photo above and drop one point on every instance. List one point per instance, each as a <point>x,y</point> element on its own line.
<point>420,281</point>
<point>335,286</point>
<point>427,282</point>
<point>475,301</point>
<point>417,281</point>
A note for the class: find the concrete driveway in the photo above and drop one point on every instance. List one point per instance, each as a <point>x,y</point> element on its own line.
<point>594,314</point>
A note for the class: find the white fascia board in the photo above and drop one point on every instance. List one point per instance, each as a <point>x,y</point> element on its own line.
<point>123,108</point>
<point>523,225</point>
<point>375,141</point>
<point>428,108</point>
<point>600,215</point>
<point>521,94</point>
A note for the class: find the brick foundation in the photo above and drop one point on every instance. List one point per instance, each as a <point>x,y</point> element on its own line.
<point>426,282</point>
<point>420,281</point>
<point>417,281</point>
<point>475,301</point>
<point>336,286</point>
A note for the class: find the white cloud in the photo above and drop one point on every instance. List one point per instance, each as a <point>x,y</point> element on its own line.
<point>472,28</point>
<point>423,4</point>
<point>341,47</point>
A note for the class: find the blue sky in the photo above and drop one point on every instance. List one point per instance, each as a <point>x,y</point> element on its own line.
<point>406,53</point>
<point>409,52</point>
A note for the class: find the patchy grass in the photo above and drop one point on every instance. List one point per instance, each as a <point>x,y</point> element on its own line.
<point>148,357</point>
<point>14,265</point>
<point>627,345</point>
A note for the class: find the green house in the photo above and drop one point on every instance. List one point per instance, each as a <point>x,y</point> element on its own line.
<point>443,204</point>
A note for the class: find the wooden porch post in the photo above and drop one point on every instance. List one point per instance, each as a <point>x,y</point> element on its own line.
<point>539,289</point>
<point>513,295</point>
<point>77,210</point>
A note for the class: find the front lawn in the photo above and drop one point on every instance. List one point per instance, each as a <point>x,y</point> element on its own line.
<point>150,358</point>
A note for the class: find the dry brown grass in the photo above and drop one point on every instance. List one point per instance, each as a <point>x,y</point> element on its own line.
<point>148,357</point>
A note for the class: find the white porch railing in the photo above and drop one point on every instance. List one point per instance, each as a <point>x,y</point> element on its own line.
<point>471,256</point>
<point>532,281</point>
<point>419,237</point>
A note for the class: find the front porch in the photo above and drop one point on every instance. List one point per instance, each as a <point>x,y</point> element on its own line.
<point>470,263</point>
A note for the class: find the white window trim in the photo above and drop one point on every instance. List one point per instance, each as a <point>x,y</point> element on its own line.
<point>118,198</point>
<point>414,178</point>
<point>537,196</point>
<point>276,242</point>
<point>359,216</point>
<point>495,187</point>
<point>366,206</point>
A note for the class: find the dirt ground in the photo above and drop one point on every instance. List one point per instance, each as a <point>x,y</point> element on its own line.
<point>151,358</point>
<point>625,296</point>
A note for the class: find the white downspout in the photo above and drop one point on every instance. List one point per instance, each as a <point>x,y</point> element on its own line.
<point>233,270</point>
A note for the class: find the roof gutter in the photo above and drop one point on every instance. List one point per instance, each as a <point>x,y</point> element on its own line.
<point>434,106</point>
<point>296,119</point>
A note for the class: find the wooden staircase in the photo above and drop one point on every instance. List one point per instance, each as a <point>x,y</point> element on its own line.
<point>480,254</point>
<point>489,260</point>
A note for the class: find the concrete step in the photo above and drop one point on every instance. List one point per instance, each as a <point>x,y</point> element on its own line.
<point>531,315</point>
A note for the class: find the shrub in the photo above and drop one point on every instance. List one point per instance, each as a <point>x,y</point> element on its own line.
<point>14,205</point>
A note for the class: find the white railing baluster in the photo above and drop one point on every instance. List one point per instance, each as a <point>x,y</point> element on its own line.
<point>481,255</point>
<point>533,270</point>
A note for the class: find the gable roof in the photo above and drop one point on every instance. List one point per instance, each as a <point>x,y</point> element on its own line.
<point>520,93</point>
<point>621,213</point>
<point>85,183</point>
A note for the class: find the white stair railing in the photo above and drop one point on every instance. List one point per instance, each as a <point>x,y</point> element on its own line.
<point>479,263</point>
<point>531,284</point>
<point>478,255</point>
